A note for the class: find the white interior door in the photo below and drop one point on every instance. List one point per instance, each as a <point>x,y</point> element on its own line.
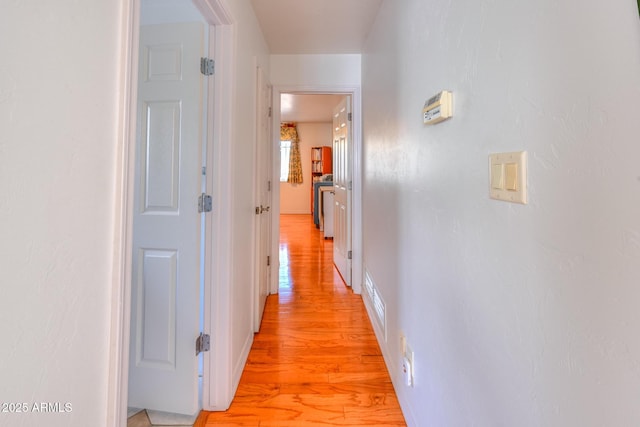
<point>342,184</point>
<point>163,367</point>
<point>263,191</point>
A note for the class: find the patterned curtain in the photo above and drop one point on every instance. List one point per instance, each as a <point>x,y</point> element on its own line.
<point>289,132</point>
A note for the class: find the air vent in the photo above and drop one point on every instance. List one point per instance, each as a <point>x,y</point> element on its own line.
<point>376,302</point>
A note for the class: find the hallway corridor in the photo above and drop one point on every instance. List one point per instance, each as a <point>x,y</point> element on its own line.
<point>316,361</point>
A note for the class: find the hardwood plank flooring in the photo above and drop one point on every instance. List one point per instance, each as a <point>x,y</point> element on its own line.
<point>315,361</point>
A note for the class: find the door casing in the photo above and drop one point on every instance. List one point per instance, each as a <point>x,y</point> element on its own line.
<point>356,194</point>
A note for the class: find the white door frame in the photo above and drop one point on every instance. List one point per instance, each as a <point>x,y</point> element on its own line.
<point>216,394</point>
<point>356,195</point>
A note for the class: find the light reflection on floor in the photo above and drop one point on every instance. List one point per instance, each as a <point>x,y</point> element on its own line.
<point>305,259</point>
<point>284,273</point>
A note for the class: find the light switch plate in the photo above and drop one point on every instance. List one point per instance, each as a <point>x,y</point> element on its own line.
<point>511,185</point>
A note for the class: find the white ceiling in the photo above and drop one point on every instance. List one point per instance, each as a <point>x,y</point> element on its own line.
<point>308,108</point>
<point>315,26</point>
<point>294,27</point>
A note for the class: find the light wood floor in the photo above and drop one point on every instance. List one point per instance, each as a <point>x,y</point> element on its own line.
<point>316,361</point>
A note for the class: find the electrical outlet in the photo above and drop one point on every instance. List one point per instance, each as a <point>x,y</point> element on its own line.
<point>407,371</point>
<point>407,361</point>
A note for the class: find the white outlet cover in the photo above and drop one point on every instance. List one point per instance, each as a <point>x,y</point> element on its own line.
<point>407,369</point>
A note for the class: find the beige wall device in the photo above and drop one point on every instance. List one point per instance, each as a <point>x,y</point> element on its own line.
<point>438,108</point>
<point>508,177</point>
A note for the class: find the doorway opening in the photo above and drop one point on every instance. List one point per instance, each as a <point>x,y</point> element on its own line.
<point>313,112</point>
<point>210,395</point>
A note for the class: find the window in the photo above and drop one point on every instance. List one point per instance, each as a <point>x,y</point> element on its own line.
<point>285,152</point>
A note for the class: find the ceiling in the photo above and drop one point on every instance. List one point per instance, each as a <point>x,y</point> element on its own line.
<point>293,27</point>
<point>315,26</point>
<point>308,108</point>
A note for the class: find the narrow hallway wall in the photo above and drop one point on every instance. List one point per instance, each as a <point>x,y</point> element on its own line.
<point>517,314</point>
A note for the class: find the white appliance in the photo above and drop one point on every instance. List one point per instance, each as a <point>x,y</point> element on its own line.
<point>326,213</point>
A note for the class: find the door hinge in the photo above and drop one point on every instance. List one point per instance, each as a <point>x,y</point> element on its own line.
<point>349,116</point>
<point>349,255</point>
<point>269,185</point>
<point>350,185</point>
<point>205,204</point>
<point>268,260</point>
<point>204,170</point>
<point>270,111</point>
<point>203,343</point>
<point>207,66</point>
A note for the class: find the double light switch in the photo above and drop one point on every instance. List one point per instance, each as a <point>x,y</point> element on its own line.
<point>508,177</point>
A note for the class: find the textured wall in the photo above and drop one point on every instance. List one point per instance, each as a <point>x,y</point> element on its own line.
<point>59,132</point>
<point>518,315</point>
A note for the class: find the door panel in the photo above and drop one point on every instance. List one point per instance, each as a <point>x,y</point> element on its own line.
<point>156,325</point>
<point>342,182</point>
<point>160,161</point>
<point>163,367</point>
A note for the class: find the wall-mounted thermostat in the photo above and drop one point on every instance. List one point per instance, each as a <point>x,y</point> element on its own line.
<point>438,108</point>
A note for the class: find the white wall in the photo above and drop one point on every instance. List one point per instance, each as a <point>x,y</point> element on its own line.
<point>518,315</point>
<point>59,103</point>
<point>296,198</point>
<point>315,70</point>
